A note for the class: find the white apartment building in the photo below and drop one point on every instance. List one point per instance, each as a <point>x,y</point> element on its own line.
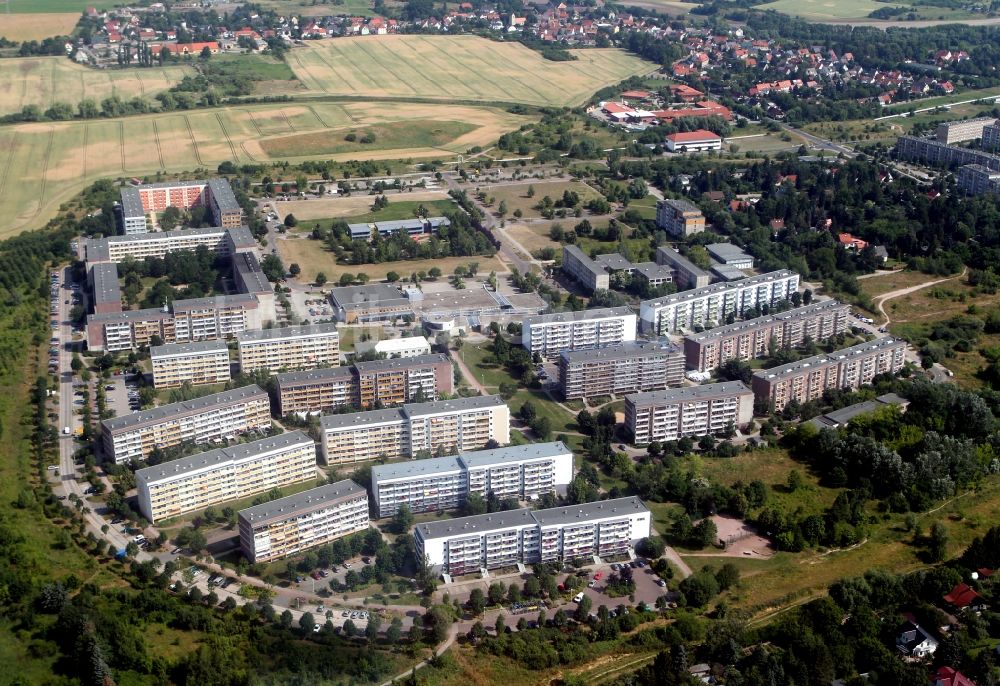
<point>709,306</point>
<point>621,369</point>
<point>212,417</point>
<point>693,411</point>
<point>524,472</point>
<point>288,348</point>
<point>551,334</point>
<point>502,539</point>
<point>445,426</point>
<point>193,483</point>
<point>221,316</point>
<point>222,241</point>
<point>200,362</point>
<point>298,522</point>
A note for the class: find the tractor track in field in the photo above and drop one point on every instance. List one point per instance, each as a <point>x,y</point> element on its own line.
<point>45,172</point>
<point>225,132</point>
<point>194,141</point>
<point>6,166</point>
<point>121,142</point>
<point>159,147</point>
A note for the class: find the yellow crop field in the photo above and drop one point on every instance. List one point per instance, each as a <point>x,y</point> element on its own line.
<point>44,80</point>
<point>45,164</point>
<point>457,68</point>
<point>25,27</point>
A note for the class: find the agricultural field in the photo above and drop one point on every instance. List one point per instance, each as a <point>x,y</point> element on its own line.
<point>317,8</point>
<point>457,68</point>
<point>419,133</point>
<point>43,81</point>
<point>43,165</point>
<point>827,10</point>
<point>669,7</point>
<point>25,27</point>
<point>56,6</point>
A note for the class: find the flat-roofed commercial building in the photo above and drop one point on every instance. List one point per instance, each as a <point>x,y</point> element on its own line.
<point>694,411</point>
<point>198,481</point>
<point>200,362</point>
<point>753,338</point>
<point>369,303</point>
<point>849,368</point>
<point>220,416</point>
<point>289,525</point>
<point>216,194</point>
<point>686,273</point>
<point>224,242</point>
<point>503,539</point>
<point>964,130</point>
<point>621,369</point>
<point>583,270</point>
<point>411,346</point>
<point>445,426</point>
<point>551,334</point>
<point>291,347</point>
<point>709,306</point>
<point>729,254</point>
<point>106,294</point>
<point>523,472</point>
<point>679,217</point>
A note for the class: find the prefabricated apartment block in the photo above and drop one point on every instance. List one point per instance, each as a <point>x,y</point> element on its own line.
<point>193,483</point>
<point>621,369</point>
<point>197,363</point>
<point>551,334</point>
<point>390,382</point>
<point>291,347</point>
<point>215,194</point>
<point>446,426</point>
<point>849,368</point>
<point>753,338</point>
<point>679,217</point>
<point>289,525</point>
<point>503,539</point>
<point>585,271</point>
<point>212,417</point>
<point>523,472</point>
<point>224,242</point>
<point>693,411</point>
<point>709,306</point>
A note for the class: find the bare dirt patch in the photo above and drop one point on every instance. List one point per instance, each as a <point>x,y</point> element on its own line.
<point>739,540</point>
<point>305,210</point>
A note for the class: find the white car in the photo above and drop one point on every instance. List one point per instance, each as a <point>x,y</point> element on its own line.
<point>578,597</point>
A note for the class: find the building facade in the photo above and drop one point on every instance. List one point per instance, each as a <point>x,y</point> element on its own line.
<point>551,334</point>
<point>193,483</point>
<point>729,254</point>
<point>216,194</point>
<point>679,217</point>
<point>369,303</point>
<point>753,338</point>
<point>683,412</point>
<point>849,368</point>
<point>686,273</point>
<point>197,363</point>
<point>711,305</point>
<point>991,138</point>
<point>224,242</point>
<point>522,472</point>
<point>503,539</point>
<point>585,271</point>
<point>292,347</point>
<point>931,152</point>
<point>621,369</point>
<point>693,141</point>
<point>221,416</point>
<point>949,132</point>
<point>975,179</point>
<point>411,346</point>
<point>298,522</point>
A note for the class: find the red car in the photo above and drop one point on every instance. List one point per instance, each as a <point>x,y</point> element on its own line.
<point>316,575</point>
<point>597,577</point>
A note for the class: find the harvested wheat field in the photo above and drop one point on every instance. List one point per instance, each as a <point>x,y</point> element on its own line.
<point>25,27</point>
<point>457,68</point>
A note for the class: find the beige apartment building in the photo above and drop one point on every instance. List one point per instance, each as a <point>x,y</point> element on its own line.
<point>220,416</point>
<point>305,520</point>
<point>679,217</point>
<point>200,362</point>
<point>288,348</point>
<point>193,483</point>
<point>550,334</point>
<point>693,411</point>
<point>621,369</point>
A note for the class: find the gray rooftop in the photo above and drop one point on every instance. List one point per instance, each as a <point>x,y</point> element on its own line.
<point>401,363</point>
<point>601,509</point>
<point>314,376</point>
<point>836,356</point>
<point>716,288</point>
<point>810,310</point>
<point>679,261</point>
<point>192,348</point>
<point>652,271</point>
<point>513,453</point>
<point>413,469</point>
<point>579,315</point>
<point>677,395</point>
<point>476,402</point>
<point>104,277</point>
<point>353,420</point>
<point>184,408</point>
<point>248,268</point>
<point>728,272</point>
<point>215,301</point>
<point>132,202</point>
<point>223,196</point>
<point>846,414</point>
<point>726,252</point>
<point>220,456</point>
<point>680,205</point>
<point>302,503</point>
<point>148,314</point>
<point>625,351</point>
<point>584,259</point>
<point>614,262</point>
<point>242,238</point>
<point>287,332</point>
<point>349,297</point>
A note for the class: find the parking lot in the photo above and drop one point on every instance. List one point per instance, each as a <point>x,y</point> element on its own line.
<point>123,395</point>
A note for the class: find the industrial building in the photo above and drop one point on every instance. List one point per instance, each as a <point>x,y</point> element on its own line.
<point>522,472</point>
<point>196,363</point>
<point>551,334</point>
<point>621,369</point>
<point>375,302</point>
<point>682,412</point>
<point>411,346</point>
<point>729,254</point>
<point>693,141</point>
<point>291,347</point>
<point>289,525</point>
<point>414,228</point>
<point>192,483</point>
<point>679,217</point>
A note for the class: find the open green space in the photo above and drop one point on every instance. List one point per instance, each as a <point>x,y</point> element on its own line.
<point>517,196</point>
<point>309,8</point>
<point>47,6</point>
<point>820,10</point>
<point>405,209</point>
<point>411,134</point>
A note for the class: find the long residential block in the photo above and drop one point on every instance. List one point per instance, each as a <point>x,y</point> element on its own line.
<point>975,179</point>
<point>215,194</point>
<point>549,335</point>
<point>584,270</point>
<point>682,412</point>
<point>621,369</point>
<point>196,363</point>
<point>292,347</point>
<point>849,368</point>
<point>223,241</point>
<point>503,539</point>
<point>709,306</point>
<point>523,472</point>
<point>193,483</point>
<point>963,130</point>
<point>298,522</point>
<point>446,426</point>
<point>754,338</point>
<point>210,418</point>
<point>931,152</point>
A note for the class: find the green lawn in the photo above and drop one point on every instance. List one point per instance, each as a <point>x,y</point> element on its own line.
<point>256,66</point>
<point>417,133</point>
<point>476,358</point>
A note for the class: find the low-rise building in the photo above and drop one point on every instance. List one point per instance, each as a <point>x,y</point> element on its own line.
<point>693,141</point>
<point>289,525</point>
<point>679,217</point>
<point>369,303</point>
<point>682,412</point>
<point>837,418</point>
<point>849,368</point>
<point>106,294</point>
<point>686,273</point>
<point>551,334</point>
<point>522,472</point>
<point>216,417</point>
<point>411,346</point>
<point>585,271</point>
<point>291,347</point>
<point>200,362</point>
<point>193,483</point>
<point>620,369</point>
<point>503,539</point>
<point>729,254</point>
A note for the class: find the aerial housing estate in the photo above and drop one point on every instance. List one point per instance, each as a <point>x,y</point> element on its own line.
<point>684,412</point>
<point>139,202</point>
<point>549,335</point>
<point>619,369</point>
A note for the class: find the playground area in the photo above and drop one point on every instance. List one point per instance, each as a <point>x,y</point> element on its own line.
<point>739,539</point>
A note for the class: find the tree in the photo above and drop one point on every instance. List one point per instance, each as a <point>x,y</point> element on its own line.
<point>477,602</point>
<point>307,622</point>
<point>938,542</point>
<point>373,626</point>
<point>321,278</point>
<point>704,533</point>
<point>392,277</point>
<point>294,269</point>
<point>582,611</point>
<point>350,628</point>
<point>169,218</point>
<point>496,593</point>
<point>794,480</point>
<point>346,279</point>
<point>403,519</point>
<point>394,632</point>
<point>290,220</point>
